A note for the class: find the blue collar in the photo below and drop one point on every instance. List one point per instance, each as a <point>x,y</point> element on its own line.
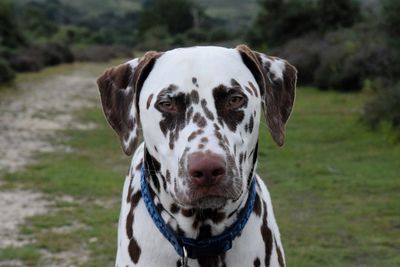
<point>196,248</point>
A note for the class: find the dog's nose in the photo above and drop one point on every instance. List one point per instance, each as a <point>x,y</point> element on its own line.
<point>206,169</point>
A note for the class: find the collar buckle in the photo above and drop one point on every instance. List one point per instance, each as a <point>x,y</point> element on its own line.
<point>184,258</point>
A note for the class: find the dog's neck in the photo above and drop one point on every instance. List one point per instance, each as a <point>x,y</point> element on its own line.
<point>190,222</point>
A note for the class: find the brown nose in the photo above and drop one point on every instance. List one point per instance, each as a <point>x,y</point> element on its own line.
<point>206,169</point>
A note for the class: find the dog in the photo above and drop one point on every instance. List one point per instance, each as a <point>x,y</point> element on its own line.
<point>192,197</point>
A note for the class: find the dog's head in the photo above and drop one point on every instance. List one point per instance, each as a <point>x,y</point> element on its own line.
<point>199,109</point>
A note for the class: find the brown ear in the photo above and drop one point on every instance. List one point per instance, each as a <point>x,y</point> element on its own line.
<point>277,81</point>
<point>119,89</point>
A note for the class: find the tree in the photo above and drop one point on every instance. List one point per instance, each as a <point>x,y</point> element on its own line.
<point>391,21</point>
<point>280,21</point>
<point>337,14</point>
<point>10,33</point>
<point>176,15</point>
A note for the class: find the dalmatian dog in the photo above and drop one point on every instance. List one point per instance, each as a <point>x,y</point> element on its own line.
<point>192,197</point>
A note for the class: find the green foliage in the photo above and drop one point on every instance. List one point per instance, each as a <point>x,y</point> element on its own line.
<point>35,57</point>
<point>6,73</point>
<point>10,33</point>
<point>280,21</point>
<point>175,15</point>
<point>385,107</point>
<point>391,21</point>
<point>337,14</point>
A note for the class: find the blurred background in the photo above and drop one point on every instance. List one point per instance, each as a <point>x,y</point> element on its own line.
<point>335,184</point>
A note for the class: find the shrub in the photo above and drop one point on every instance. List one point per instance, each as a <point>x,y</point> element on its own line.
<point>280,21</point>
<point>175,15</point>
<point>99,53</point>
<point>391,21</point>
<point>384,108</point>
<point>338,13</point>
<point>54,53</point>
<point>304,53</point>
<point>337,71</point>
<point>6,73</point>
<point>35,57</point>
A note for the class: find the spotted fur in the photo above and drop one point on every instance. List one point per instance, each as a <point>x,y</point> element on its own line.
<point>203,101</point>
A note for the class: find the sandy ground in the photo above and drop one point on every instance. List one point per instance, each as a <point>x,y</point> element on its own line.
<point>29,118</point>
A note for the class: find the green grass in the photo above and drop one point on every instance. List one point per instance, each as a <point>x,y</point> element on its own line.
<point>335,188</point>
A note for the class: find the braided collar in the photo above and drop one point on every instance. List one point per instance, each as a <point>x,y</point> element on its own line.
<point>196,248</point>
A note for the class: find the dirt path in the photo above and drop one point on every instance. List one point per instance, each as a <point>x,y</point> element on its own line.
<point>31,113</point>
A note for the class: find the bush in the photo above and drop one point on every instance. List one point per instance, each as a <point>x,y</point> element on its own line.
<point>6,73</point>
<point>175,15</point>
<point>35,57</point>
<point>391,21</point>
<point>98,53</point>
<point>280,21</point>
<point>304,53</point>
<point>384,108</point>
<point>156,38</point>
<point>54,53</point>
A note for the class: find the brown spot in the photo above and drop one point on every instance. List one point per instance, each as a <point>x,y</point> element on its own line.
<point>171,140</point>
<point>159,208</point>
<point>251,124</point>
<point>130,189</point>
<point>201,146</point>
<point>280,255</point>
<point>139,166</point>
<point>135,199</point>
<point>208,113</point>
<point>241,156</point>
<point>152,167</point>
<point>194,81</point>
<point>235,83</point>
<point>174,208</point>
<point>134,250</point>
<point>253,88</point>
<point>199,120</point>
<point>267,236</point>
<point>257,262</point>
<point>204,140</point>
<point>130,217</point>
<point>168,176</point>
<point>194,96</point>
<point>189,115</point>
<point>192,136</point>
<point>257,206</point>
<point>226,140</point>
<point>248,90</point>
<point>187,212</point>
<point>207,214</point>
<point>231,117</point>
<point>173,121</point>
<point>149,101</point>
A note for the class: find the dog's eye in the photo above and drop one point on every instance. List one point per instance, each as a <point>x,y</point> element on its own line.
<point>167,105</point>
<point>235,101</point>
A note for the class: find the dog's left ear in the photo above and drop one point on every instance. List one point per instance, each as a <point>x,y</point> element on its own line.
<point>277,81</point>
<point>119,92</point>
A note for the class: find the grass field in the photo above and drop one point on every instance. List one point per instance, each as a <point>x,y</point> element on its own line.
<point>335,188</point>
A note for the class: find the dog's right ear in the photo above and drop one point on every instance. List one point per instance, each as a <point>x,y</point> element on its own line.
<point>119,92</point>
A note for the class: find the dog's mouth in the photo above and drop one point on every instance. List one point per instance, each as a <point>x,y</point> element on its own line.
<point>213,202</point>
